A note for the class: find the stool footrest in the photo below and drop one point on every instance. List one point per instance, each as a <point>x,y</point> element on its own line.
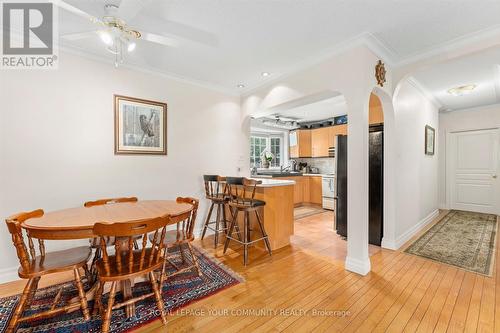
<point>248,243</point>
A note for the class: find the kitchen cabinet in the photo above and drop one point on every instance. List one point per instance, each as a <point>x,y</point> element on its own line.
<point>376,114</point>
<point>320,141</point>
<point>315,188</point>
<point>336,130</point>
<point>307,189</point>
<point>300,143</point>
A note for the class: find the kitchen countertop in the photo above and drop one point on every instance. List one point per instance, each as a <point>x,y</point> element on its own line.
<point>262,177</point>
<point>269,182</point>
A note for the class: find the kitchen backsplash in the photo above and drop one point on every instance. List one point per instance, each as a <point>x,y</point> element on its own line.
<point>325,165</point>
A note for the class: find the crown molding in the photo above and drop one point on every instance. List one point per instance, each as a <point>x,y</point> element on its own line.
<point>365,39</point>
<point>379,47</point>
<point>456,44</point>
<point>149,70</point>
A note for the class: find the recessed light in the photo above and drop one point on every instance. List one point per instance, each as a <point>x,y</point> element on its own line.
<point>265,74</point>
<point>240,85</point>
<point>462,90</point>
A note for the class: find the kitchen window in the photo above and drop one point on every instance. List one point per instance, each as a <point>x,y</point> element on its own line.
<point>260,143</point>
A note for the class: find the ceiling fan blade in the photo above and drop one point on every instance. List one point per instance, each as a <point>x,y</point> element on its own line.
<point>79,35</point>
<point>76,11</point>
<point>175,30</point>
<point>159,39</point>
<point>129,9</point>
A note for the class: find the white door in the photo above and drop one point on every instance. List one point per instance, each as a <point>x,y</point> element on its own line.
<point>473,164</point>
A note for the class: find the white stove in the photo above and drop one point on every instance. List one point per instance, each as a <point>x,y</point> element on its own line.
<point>328,191</point>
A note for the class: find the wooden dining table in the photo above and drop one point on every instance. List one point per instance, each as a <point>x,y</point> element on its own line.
<point>78,223</point>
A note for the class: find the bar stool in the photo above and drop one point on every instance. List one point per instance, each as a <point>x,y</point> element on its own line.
<point>239,201</point>
<point>215,191</point>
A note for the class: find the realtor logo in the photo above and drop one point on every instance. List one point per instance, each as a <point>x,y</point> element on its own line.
<point>29,32</point>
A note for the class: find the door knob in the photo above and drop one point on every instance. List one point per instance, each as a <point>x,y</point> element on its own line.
<point>494,176</point>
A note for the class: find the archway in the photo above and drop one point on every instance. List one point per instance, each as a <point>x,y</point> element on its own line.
<point>381,110</point>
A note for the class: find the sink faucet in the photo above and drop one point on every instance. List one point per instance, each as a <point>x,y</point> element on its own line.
<point>282,168</point>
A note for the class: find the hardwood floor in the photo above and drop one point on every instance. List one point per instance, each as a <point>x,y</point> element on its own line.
<point>304,288</point>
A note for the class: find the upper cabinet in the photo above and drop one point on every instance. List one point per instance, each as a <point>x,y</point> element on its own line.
<point>320,141</point>
<point>300,143</point>
<point>336,130</point>
<point>376,115</point>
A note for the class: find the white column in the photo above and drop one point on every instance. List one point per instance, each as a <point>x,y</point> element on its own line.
<point>357,259</point>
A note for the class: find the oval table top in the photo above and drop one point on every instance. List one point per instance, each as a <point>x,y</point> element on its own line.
<point>78,222</point>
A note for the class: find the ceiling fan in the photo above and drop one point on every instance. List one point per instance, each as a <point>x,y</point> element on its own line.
<point>119,38</point>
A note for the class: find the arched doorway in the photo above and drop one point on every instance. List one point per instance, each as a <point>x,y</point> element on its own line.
<point>382,198</point>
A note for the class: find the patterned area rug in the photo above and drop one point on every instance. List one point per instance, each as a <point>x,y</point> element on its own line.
<point>178,291</point>
<point>305,211</point>
<point>462,239</point>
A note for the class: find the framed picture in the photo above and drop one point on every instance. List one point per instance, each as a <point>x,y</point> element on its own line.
<point>140,126</point>
<point>430,140</point>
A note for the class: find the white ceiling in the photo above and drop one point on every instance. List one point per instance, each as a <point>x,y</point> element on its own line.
<point>252,36</point>
<point>481,69</point>
<point>317,111</point>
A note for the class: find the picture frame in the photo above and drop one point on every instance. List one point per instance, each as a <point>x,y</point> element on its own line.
<point>430,140</point>
<point>140,126</point>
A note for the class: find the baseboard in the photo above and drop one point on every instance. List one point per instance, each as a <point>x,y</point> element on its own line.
<point>388,243</point>
<point>401,240</point>
<point>361,267</point>
<point>9,274</point>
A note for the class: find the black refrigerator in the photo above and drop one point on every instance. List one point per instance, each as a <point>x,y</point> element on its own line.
<point>376,183</point>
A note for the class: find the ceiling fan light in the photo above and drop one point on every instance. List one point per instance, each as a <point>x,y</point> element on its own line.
<point>131,46</point>
<point>106,37</point>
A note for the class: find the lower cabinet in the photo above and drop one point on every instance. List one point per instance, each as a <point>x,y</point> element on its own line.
<point>307,189</point>
<point>315,187</point>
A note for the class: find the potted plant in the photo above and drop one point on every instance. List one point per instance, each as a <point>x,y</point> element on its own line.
<point>266,157</point>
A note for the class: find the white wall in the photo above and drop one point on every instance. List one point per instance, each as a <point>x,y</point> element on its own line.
<point>56,140</point>
<point>417,173</point>
<point>470,119</point>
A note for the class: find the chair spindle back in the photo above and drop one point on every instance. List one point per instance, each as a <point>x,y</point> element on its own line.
<point>214,186</point>
<point>185,222</point>
<point>25,254</point>
<point>242,190</point>
<point>124,234</point>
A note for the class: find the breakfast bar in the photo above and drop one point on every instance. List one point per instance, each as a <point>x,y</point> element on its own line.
<point>277,214</point>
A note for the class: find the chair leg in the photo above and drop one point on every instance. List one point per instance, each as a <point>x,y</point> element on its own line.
<point>236,226</point>
<point>181,251</point>
<point>246,237</point>
<point>81,295</point>
<point>217,223</point>
<point>195,260</point>
<point>32,291</point>
<point>159,299</point>
<point>98,299</point>
<point>224,218</point>
<point>20,306</point>
<point>263,232</point>
<point>106,322</point>
<point>230,232</point>
<point>207,221</point>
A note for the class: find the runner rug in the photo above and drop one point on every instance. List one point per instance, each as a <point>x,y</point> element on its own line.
<point>462,239</point>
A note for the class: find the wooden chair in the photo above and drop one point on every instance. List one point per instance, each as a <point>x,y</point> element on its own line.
<point>128,263</point>
<point>33,267</point>
<point>242,199</point>
<point>95,242</point>
<point>183,236</point>
<point>216,192</point>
